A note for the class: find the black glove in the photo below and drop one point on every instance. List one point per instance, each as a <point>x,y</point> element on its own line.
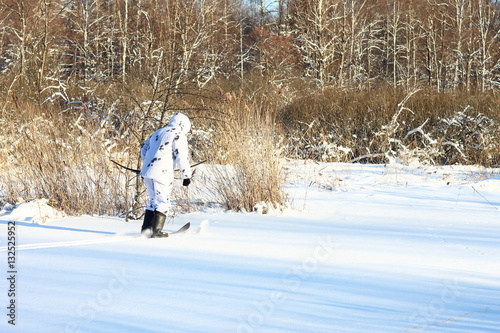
<point>186,182</point>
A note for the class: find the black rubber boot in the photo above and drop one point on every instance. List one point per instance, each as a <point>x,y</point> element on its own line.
<point>158,223</point>
<point>147,224</point>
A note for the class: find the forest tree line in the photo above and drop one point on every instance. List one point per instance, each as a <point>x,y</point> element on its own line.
<point>52,47</point>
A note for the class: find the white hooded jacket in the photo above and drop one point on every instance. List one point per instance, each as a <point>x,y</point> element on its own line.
<point>166,149</point>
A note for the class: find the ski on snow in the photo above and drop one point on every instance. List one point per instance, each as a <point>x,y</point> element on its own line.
<point>85,242</point>
<point>184,228</point>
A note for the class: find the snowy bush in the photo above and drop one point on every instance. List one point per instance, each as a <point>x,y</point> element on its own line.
<point>469,135</point>
<point>385,126</point>
<point>463,138</point>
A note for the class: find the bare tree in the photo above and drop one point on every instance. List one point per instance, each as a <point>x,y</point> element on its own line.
<point>316,23</point>
<point>487,14</point>
<point>16,15</point>
<point>124,21</point>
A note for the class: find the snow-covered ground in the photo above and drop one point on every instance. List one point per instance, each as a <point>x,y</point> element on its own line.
<point>363,248</point>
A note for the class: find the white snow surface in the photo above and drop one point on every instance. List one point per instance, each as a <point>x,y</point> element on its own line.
<point>362,248</point>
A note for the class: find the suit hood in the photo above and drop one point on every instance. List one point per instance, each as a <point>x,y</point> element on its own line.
<point>181,120</point>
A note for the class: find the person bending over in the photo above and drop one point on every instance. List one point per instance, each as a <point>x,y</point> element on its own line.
<point>161,153</point>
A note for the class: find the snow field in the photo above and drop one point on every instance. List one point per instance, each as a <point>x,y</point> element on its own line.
<point>363,248</point>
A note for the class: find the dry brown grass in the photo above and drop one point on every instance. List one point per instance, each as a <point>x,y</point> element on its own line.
<point>64,158</point>
<point>246,141</point>
<point>63,154</point>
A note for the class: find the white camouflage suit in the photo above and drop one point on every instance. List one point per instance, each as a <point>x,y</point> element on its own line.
<point>161,153</point>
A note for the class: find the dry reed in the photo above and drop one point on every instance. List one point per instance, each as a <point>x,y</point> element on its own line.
<point>245,139</point>
<point>62,158</point>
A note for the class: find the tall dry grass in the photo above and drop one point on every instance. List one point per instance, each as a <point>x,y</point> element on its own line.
<point>46,153</point>
<point>63,154</point>
<point>244,145</point>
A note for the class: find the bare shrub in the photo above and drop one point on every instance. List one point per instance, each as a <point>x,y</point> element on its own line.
<point>466,137</point>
